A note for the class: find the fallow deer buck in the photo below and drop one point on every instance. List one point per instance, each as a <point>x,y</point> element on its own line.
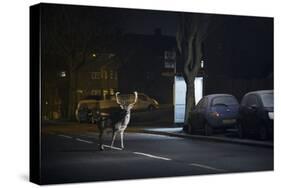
<point>117,121</point>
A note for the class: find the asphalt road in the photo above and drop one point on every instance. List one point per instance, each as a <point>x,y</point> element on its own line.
<point>69,157</point>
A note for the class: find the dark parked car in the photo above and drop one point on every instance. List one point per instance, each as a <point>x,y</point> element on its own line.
<point>256,114</point>
<point>85,107</point>
<point>216,111</point>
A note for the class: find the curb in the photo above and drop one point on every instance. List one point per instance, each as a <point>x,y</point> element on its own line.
<point>211,138</point>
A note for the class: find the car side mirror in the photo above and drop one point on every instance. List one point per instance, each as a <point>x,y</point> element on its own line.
<point>253,107</point>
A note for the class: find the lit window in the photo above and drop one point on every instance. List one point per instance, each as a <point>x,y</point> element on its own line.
<point>111,75</point>
<point>95,75</point>
<point>95,92</point>
<point>111,55</point>
<point>169,59</point>
<point>62,74</point>
<point>105,75</point>
<point>111,91</point>
<point>105,93</point>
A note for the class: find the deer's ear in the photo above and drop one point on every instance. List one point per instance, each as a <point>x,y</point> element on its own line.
<point>121,106</point>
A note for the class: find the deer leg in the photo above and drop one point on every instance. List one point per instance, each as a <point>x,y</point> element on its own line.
<point>121,138</point>
<point>113,137</point>
<point>101,140</point>
<point>101,130</point>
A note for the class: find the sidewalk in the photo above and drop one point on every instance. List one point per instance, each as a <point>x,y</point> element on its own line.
<point>159,128</point>
<point>178,132</point>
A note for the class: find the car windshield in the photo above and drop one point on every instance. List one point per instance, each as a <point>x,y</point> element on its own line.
<point>224,100</point>
<point>92,97</point>
<point>267,99</point>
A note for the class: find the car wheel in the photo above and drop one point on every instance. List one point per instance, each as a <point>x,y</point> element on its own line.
<point>151,107</point>
<point>208,129</point>
<point>263,135</point>
<point>189,128</point>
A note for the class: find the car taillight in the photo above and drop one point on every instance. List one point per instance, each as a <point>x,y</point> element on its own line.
<point>215,114</point>
<point>270,115</point>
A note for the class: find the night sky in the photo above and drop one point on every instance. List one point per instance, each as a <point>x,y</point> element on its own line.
<point>140,21</point>
<point>241,41</point>
<point>145,22</point>
<point>245,41</point>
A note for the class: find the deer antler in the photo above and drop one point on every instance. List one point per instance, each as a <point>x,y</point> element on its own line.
<point>136,98</point>
<point>117,100</point>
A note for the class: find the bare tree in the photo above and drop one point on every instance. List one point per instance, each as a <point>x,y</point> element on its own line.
<point>74,33</point>
<point>192,32</point>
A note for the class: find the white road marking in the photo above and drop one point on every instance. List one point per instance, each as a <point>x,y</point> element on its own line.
<point>207,167</point>
<point>112,147</point>
<point>86,141</point>
<point>65,136</point>
<point>147,155</point>
<point>152,156</point>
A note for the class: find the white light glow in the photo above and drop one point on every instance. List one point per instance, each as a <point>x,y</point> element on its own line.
<point>271,115</point>
<point>198,84</point>
<point>202,64</point>
<point>180,94</point>
<point>62,74</point>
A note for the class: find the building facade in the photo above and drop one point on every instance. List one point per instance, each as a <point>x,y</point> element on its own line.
<point>147,68</point>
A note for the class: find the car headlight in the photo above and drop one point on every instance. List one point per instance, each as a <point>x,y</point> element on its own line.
<point>155,102</point>
<point>271,115</point>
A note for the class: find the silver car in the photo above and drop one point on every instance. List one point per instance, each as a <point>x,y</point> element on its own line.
<point>92,103</point>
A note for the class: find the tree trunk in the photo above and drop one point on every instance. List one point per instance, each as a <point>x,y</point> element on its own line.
<point>192,31</point>
<point>191,68</point>
<point>72,95</point>
<point>189,101</point>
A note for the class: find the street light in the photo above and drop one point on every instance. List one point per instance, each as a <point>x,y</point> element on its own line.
<point>202,64</point>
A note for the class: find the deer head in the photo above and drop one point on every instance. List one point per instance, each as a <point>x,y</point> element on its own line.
<point>124,105</point>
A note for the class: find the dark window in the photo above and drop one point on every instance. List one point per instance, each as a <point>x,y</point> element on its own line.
<point>142,97</point>
<point>267,99</point>
<point>244,100</point>
<point>92,97</point>
<point>225,100</point>
<point>252,100</point>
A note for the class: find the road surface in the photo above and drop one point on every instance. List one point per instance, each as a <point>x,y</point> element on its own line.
<point>72,157</point>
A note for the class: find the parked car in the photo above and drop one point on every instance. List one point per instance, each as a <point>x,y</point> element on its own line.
<point>216,111</point>
<point>145,103</point>
<point>92,103</point>
<point>85,106</point>
<point>256,114</point>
